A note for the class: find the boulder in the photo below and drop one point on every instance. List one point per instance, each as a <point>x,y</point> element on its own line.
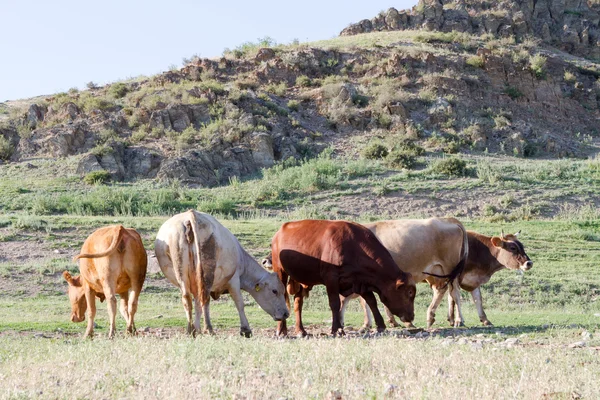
<point>88,163</point>
<point>262,149</point>
<point>35,115</point>
<point>264,54</point>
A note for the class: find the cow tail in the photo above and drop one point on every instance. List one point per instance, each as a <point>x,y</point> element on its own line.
<point>117,238</point>
<point>464,254</point>
<point>206,258</point>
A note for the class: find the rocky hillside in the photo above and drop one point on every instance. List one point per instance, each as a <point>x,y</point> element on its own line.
<point>439,82</point>
<point>570,25</point>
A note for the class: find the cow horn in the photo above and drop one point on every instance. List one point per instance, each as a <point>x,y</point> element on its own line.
<point>517,234</point>
<point>502,234</point>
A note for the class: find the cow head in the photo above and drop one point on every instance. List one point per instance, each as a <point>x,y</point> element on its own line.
<point>511,252</point>
<point>269,294</point>
<point>399,296</point>
<point>76,296</point>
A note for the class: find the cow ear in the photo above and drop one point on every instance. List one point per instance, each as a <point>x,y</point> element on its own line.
<point>399,283</point>
<point>68,277</point>
<point>101,296</point>
<point>266,263</point>
<point>496,241</point>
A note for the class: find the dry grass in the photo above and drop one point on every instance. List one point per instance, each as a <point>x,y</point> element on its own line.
<point>265,368</point>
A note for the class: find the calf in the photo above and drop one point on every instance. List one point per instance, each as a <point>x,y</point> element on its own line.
<point>345,257</point>
<point>112,261</point>
<point>201,257</point>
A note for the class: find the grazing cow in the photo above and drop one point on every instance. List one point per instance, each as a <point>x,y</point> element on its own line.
<point>432,250</point>
<point>345,257</point>
<point>112,261</point>
<point>488,255</point>
<point>201,257</point>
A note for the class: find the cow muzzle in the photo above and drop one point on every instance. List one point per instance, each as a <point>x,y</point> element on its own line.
<point>526,266</point>
<point>283,317</point>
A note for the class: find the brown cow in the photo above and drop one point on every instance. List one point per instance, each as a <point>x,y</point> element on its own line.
<point>488,255</point>
<point>345,257</point>
<point>112,261</point>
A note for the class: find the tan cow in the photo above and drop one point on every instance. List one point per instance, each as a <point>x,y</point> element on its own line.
<point>201,257</point>
<point>432,250</point>
<point>112,261</point>
<point>487,255</point>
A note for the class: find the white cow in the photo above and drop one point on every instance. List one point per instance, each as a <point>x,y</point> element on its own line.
<point>203,258</point>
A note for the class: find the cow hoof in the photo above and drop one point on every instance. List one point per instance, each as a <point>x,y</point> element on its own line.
<point>487,323</point>
<point>364,329</point>
<point>246,334</point>
<point>381,329</point>
<point>394,323</point>
<point>459,324</point>
<point>281,334</point>
<point>409,325</point>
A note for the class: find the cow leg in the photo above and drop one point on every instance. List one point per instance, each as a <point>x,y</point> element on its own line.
<point>186,299</point>
<point>368,317</point>
<point>298,302</point>
<point>282,325</point>
<point>111,300</point>
<point>333,293</point>
<point>236,295</point>
<point>197,317</point>
<point>344,301</point>
<point>438,295</point>
<point>476,294</point>
<point>392,320</point>
<point>123,308</point>
<point>455,293</point>
<point>205,303</point>
<point>372,302</point>
<point>451,306</point>
<point>134,296</point>
<point>90,299</point>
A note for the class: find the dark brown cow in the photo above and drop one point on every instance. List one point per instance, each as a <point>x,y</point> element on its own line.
<point>488,255</point>
<point>345,257</point>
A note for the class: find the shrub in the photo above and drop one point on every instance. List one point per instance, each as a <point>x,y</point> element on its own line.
<point>475,61</point>
<point>278,90</point>
<point>537,65</point>
<point>303,81</point>
<point>6,148</point>
<point>452,166</point>
<point>97,177</point>
<point>409,147</point>
<point>375,151</point>
<point>293,105</point>
<point>118,90</point>
<point>513,92</point>
<point>360,100</point>
<point>91,85</point>
<point>400,159</point>
<point>570,77</point>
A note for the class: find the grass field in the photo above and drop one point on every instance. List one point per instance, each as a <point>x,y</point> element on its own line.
<point>544,343</point>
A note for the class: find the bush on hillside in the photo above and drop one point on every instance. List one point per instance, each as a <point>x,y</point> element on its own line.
<point>6,148</point>
<point>375,151</point>
<point>453,166</point>
<point>118,90</point>
<point>97,177</point>
<point>400,159</point>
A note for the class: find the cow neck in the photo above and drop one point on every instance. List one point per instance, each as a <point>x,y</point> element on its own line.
<point>485,253</point>
<point>250,272</point>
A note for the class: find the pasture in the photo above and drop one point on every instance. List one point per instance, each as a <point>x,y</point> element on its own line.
<point>545,341</point>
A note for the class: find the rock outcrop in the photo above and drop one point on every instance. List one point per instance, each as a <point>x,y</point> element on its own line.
<point>571,25</point>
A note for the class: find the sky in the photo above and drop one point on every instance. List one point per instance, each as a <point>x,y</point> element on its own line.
<point>52,46</point>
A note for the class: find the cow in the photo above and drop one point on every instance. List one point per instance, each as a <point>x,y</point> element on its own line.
<point>345,257</point>
<point>202,258</point>
<point>488,255</point>
<point>112,261</point>
<point>433,250</point>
